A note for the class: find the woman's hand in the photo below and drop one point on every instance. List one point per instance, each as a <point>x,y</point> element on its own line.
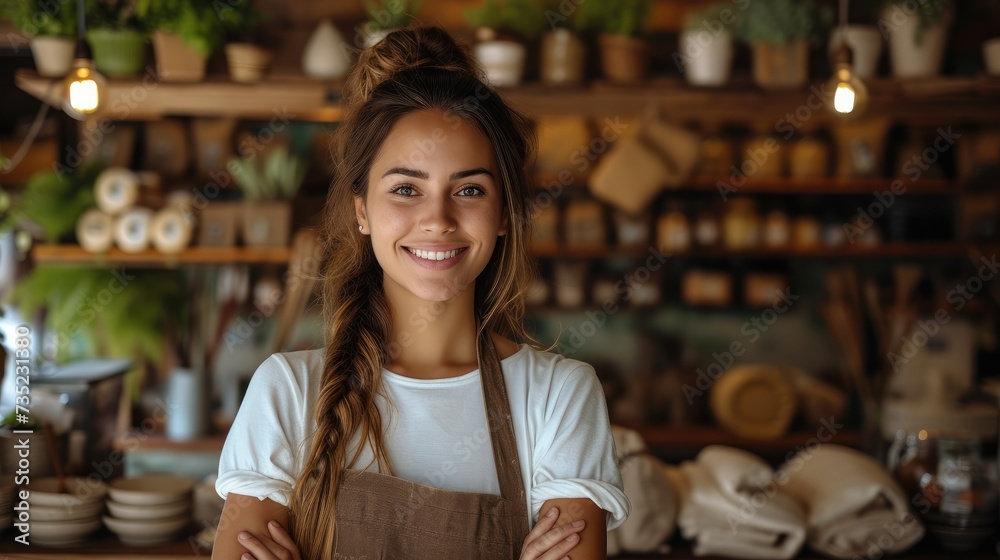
<point>279,547</point>
<point>546,543</point>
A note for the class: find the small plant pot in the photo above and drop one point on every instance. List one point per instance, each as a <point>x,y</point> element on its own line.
<point>502,60</point>
<point>117,53</point>
<point>218,223</point>
<point>247,62</point>
<point>707,57</point>
<point>374,37</point>
<point>175,60</point>
<point>53,55</point>
<point>624,60</point>
<point>914,54</point>
<point>267,223</point>
<point>563,57</point>
<point>781,66</point>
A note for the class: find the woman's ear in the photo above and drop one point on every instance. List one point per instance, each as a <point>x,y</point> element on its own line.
<point>361,215</point>
<point>503,226</point>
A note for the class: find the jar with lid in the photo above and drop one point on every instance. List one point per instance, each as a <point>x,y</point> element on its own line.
<point>672,230</point>
<point>741,225</point>
<point>718,153</point>
<point>763,155</point>
<point>706,227</point>
<point>809,156</point>
<point>777,228</point>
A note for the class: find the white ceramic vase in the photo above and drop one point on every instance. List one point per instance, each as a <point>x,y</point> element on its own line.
<point>865,42</point>
<point>503,61</point>
<point>910,58</point>
<point>185,405</point>
<point>53,55</point>
<point>326,54</point>
<point>707,57</point>
<point>991,56</point>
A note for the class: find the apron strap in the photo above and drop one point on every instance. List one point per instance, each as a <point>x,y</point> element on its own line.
<point>500,424</point>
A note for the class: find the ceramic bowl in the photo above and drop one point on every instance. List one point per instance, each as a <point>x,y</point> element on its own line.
<point>61,533</point>
<point>91,510</point>
<point>43,492</point>
<point>151,489</point>
<point>158,511</point>
<point>143,532</point>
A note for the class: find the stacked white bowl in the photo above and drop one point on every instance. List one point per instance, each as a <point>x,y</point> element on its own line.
<point>149,509</point>
<point>59,519</point>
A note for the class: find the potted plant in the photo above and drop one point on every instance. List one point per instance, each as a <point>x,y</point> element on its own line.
<point>917,33</point>
<point>503,28</point>
<point>51,27</point>
<point>247,60</point>
<point>386,15</point>
<point>624,55</point>
<point>51,202</point>
<point>779,32</point>
<point>705,54</point>
<point>563,51</point>
<point>117,35</point>
<point>185,32</point>
<point>268,187</point>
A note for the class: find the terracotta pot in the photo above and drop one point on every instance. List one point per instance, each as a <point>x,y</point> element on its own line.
<point>781,66</point>
<point>912,58</point>
<point>624,59</point>
<point>53,55</point>
<point>267,223</point>
<point>563,57</point>
<point>218,223</point>
<point>175,60</point>
<point>502,60</point>
<point>117,52</point>
<point>247,62</point>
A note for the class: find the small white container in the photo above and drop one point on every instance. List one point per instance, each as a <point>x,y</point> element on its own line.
<point>503,61</point>
<point>991,56</point>
<point>708,58</point>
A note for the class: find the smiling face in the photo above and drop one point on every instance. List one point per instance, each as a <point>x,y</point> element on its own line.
<point>433,205</point>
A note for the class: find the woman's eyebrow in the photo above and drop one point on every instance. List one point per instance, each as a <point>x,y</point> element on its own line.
<point>417,174</point>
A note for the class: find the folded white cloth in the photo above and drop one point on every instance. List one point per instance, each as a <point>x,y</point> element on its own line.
<point>652,517</point>
<point>853,506</point>
<point>732,506</point>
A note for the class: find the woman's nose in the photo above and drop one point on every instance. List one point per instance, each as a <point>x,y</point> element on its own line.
<point>438,217</point>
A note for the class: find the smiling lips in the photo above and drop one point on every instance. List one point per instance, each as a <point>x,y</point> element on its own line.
<point>436,260</point>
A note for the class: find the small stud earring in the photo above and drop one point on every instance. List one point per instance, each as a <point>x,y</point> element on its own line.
<point>361,228</point>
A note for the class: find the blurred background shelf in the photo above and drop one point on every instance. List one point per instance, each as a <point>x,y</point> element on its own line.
<point>902,250</point>
<point>76,255</point>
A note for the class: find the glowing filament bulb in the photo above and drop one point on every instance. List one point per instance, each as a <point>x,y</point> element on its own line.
<point>83,96</point>
<point>844,98</point>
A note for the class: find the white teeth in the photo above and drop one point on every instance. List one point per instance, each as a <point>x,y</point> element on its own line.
<point>435,255</point>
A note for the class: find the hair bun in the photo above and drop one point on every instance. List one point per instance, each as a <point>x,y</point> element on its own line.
<point>404,49</point>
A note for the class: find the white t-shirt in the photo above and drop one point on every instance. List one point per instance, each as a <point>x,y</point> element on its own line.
<point>437,431</point>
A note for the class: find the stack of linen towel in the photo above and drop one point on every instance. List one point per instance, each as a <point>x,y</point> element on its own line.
<point>732,505</point>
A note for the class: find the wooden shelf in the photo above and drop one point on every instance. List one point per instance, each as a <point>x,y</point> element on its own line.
<point>948,100</point>
<point>74,254</point>
<point>145,98</point>
<point>785,185</point>
<point>902,250</point>
<point>688,440</point>
<point>158,442</point>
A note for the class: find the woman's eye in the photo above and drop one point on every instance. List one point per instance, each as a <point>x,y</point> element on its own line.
<point>404,190</point>
<point>471,191</point>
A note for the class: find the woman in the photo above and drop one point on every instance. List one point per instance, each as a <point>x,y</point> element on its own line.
<point>422,429</point>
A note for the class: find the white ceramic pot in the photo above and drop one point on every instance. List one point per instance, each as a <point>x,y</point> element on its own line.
<point>503,61</point>
<point>53,55</point>
<point>375,36</point>
<point>912,59</point>
<point>707,57</point>
<point>326,54</point>
<point>865,42</point>
<point>185,417</point>
<point>991,56</point>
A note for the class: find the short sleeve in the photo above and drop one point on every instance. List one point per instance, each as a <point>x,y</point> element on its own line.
<point>574,455</point>
<point>260,455</point>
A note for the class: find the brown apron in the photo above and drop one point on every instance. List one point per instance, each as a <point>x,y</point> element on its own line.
<point>382,517</point>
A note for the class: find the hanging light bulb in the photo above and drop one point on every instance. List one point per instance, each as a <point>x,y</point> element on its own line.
<point>84,87</point>
<point>850,94</point>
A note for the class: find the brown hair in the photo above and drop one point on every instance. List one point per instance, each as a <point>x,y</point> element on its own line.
<point>409,70</point>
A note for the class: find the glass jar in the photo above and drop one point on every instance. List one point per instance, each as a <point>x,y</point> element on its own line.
<point>741,225</point>
<point>672,230</point>
<point>777,229</point>
<point>706,228</point>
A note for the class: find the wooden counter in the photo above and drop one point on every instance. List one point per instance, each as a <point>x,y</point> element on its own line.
<point>106,546</point>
